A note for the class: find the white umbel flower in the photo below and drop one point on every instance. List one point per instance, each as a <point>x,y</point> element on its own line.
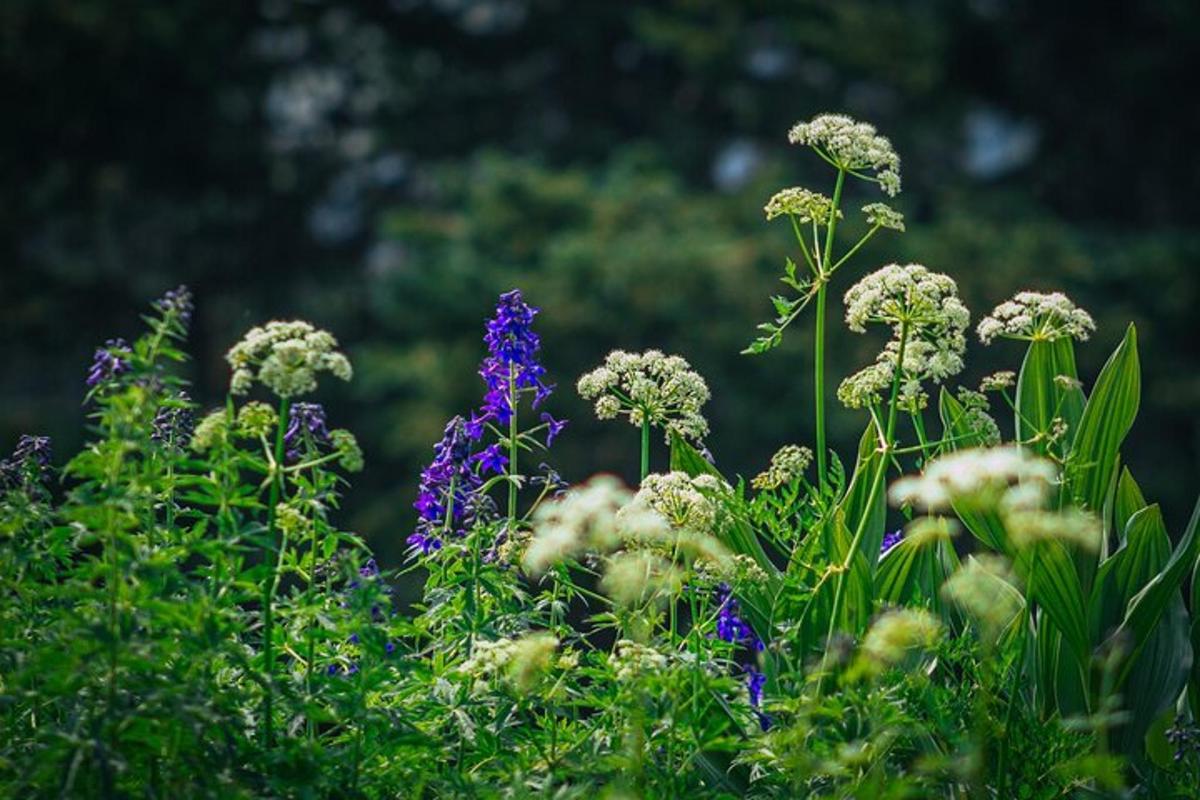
<point>980,476</point>
<point>788,464</point>
<point>851,145</point>
<point>884,216</point>
<point>650,386</point>
<point>1034,316</point>
<point>806,206</point>
<point>286,358</point>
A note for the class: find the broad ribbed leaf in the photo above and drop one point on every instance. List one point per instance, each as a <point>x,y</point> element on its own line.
<point>954,426</point>
<point>858,503</point>
<point>1127,502</point>
<point>1126,572</point>
<point>1049,574</point>
<point>1148,605</point>
<point>1040,399</point>
<point>1106,420</point>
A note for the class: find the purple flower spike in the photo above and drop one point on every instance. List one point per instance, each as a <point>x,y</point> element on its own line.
<point>306,423</point>
<point>448,498</point>
<point>491,459</point>
<point>553,427</point>
<point>890,540</point>
<point>731,627</point>
<point>107,364</point>
<point>512,357</point>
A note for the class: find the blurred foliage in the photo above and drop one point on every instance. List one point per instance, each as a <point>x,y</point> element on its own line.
<point>386,168</point>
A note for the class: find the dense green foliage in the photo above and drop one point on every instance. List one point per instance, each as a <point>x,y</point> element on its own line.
<point>183,615</point>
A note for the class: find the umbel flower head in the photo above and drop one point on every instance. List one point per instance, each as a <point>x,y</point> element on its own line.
<point>512,363</point>
<point>853,146</point>
<point>583,519</point>
<point>1034,316</point>
<point>683,501</point>
<point>993,476</point>
<point>806,206</point>
<point>788,464</point>
<point>286,358</point>
<point>660,389</point>
<point>926,305</point>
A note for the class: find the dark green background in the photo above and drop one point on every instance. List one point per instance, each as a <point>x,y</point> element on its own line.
<point>384,169</point>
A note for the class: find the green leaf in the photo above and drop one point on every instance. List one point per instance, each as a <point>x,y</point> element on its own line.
<point>1148,605</point>
<point>1050,576</point>
<point>1106,420</point>
<point>1040,399</point>
<point>1127,502</point>
<point>857,503</point>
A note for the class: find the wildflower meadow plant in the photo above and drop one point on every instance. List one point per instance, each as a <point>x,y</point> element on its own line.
<point>966,604</point>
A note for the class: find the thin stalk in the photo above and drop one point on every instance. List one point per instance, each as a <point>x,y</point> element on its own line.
<point>1014,688</point>
<point>268,599</point>
<point>311,633</point>
<point>876,484</point>
<point>645,448</point>
<point>819,338</point>
<point>512,447</point>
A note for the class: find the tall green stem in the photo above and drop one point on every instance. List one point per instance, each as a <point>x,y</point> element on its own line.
<point>645,448</point>
<point>876,484</point>
<point>268,599</point>
<point>819,337</point>
<point>512,446</point>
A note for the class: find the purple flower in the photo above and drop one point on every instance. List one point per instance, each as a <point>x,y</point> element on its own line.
<point>890,540</point>
<point>306,427</point>
<point>512,361</point>
<point>173,424</point>
<point>26,468</point>
<point>755,681</point>
<point>491,459</point>
<point>107,364</point>
<point>178,303</point>
<point>731,627</point>
<point>553,427</point>
<point>448,498</point>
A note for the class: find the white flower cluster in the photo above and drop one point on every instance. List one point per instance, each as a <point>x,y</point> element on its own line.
<point>519,662</point>
<point>851,145</point>
<point>896,635</point>
<point>211,431</point>
<point>1027,527</point>
<point>736,569</point>
<point>638,578</point>
<point>1034,316</point>
<point>884,216</point>
<point>582,520</point>
<point>927,305</point>
<point>788,464</point>
<point>806,206</point>
<point>984,588</point>
<point>650,386</point>
<point>631,659</point>
<point>1008,476</point>
<point>685,502</point>
<point>998,381</point>
<point>285,357</point>
<point>976,417</point>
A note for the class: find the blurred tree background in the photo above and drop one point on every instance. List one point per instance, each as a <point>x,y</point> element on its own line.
<point>385,168</point>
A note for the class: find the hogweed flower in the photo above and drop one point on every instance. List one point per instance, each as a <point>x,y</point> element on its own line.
<point>926,305</point>
<point>631,659</point>
<point>853,146</point>
<point>519,663</point>
<point>788,464</point>
<point>1028,527</point>
<point>256,420</point>
<point>804,205</point>
<point>881,215</point>
<point>286,357</point>
<point>210,431</point>
<point>979,476</point>
<point>583,519</point>
<point>108,362</point>
<point>1034,316</point>
<point>998,381</point>
<point>637,578</point>
<point>683,501</point>
<point>660,389</point>
<point>976,418</point>
<point>448,498</point>
<point>984,589</point>
<point>896,636</point>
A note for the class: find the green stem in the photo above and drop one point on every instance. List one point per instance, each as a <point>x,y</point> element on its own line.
<point>311,633</point>
<point>512,448</point>
<point>876,485</point>
<point>819,339</point>
<point>645,448</point>
<point>1014,688</point>
<point>268,599</point>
